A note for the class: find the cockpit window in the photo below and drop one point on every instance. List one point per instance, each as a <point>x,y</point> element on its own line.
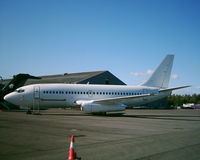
<point>20,90</point>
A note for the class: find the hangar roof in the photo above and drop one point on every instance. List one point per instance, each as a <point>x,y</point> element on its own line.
<point>95,77</point>
<point>71,77</point>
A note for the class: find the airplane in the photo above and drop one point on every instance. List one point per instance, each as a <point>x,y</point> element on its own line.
<point>96,98</point>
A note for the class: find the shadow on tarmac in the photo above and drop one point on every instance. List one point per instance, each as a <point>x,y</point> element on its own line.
<point>159,117</point>
<point>163,117</point>
<point>65,114</point>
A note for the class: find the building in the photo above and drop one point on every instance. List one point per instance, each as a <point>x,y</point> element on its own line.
<point>95,77</point>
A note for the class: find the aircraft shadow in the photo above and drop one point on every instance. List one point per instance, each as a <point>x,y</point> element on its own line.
<point>65,114</point>
<point>162,117</point>
<point>158,117</point>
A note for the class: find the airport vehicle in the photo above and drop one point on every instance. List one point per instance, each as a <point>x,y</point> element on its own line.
<point>96,98</point>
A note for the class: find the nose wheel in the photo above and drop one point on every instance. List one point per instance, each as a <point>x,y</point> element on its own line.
<point>29,112</point>
<point>35,112</point>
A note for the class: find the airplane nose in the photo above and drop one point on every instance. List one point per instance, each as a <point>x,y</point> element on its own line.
<point>10,98</point>
<point>7,97</point>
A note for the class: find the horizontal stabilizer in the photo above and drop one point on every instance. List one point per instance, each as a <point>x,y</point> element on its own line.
<point>171,89</point>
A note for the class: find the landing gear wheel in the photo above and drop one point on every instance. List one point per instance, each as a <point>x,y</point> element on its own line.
<point>29,112</point>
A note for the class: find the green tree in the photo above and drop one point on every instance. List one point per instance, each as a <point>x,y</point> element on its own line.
<point>179,100</point>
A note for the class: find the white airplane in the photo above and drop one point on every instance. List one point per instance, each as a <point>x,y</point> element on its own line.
<point>96,98</point>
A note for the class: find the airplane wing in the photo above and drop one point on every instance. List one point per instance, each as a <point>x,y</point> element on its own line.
<point>113,100</point>
<point>171,89</point>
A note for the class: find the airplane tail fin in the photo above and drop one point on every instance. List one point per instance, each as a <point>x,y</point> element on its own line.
<point>161,76</point>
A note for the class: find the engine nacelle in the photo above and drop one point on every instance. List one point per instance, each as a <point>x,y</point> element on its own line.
<point>95,108</point>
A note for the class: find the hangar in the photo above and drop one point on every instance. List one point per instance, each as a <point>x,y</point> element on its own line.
<point>94,77</point>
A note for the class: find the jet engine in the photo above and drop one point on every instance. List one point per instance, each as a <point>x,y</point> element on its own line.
<point>95,108</point>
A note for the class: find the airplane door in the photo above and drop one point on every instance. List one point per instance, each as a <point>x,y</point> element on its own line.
<point>144,91</point>
<point>36,92</point>
<point>36,101</point>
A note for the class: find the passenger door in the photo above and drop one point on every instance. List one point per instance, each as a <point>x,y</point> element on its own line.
<point>36,100</point>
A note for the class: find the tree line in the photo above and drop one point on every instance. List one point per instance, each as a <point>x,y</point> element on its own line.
<point>179,100</point>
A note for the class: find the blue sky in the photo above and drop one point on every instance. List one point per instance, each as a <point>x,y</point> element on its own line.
<point>127,37</point>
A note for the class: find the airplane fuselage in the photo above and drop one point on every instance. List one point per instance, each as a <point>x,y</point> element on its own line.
<point>66,95</point>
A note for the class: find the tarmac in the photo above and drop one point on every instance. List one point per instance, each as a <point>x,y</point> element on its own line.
<point>134,135</point>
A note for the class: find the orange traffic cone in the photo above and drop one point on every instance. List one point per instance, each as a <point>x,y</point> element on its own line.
<point>72,152</point>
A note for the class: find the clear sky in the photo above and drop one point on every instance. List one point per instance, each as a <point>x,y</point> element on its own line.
<point>127,37</point>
